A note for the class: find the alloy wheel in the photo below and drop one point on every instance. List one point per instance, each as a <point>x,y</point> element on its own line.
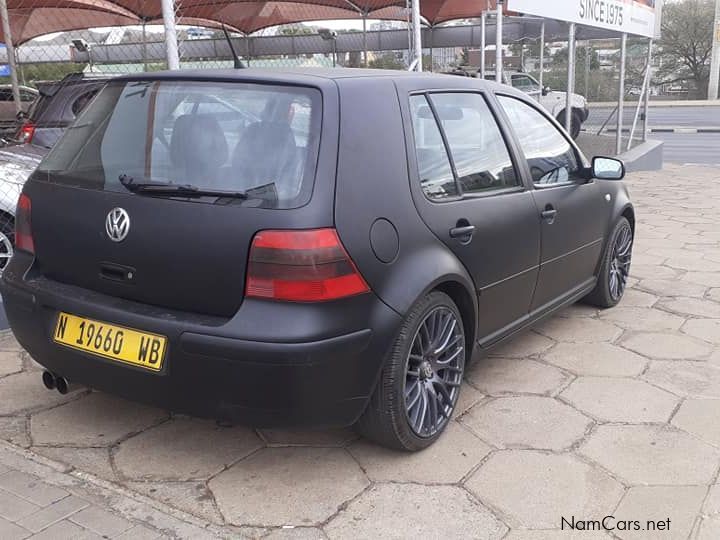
<point>620,262</point>
<point>6,251</point>
<point>434,371</point>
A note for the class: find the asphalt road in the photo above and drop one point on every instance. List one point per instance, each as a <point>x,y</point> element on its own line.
<point>663,116</point>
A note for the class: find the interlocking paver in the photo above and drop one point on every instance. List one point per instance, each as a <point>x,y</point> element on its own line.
<point>705,329</point>
<point>446,461</point>
<point>522,345</point>
<point>14,508</point>
<point>535,488</point>
<point>184,449</point>
<point>12,531</point>
<point>667,346</point>
<point>652,455</point>
<point>10,362</point>
<point>692,379</point>
<point>579,330</point>
<point>30,488</point>
<point>53,513</point>
<point>643,319</point>
<point>598,359</point>
<point>439,512</point>
<point>679,504</point>
<point>24,392</point>
<point>317,437</point>
<point>692,306</point>
<point>296,533</point>
<point>493,376</point>
<point>700,417</point>
<point>287,486</point>
<point>527,422</point>
<point>94,420</point>
<point>615,399</point>
<point>66,530</point>
<point>672,287</point>
<point>101,521</point>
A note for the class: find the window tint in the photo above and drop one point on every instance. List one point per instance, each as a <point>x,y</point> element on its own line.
<point>213,135</point>
<point>436,177</point>
<point>81,102</point>
<point>551,158</point>
<point>478,150</point>
<point>6,94</point>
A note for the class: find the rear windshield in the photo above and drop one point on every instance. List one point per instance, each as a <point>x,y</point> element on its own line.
<point>258,139</point>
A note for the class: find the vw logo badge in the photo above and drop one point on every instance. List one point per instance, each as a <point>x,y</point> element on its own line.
<point>117,224</point>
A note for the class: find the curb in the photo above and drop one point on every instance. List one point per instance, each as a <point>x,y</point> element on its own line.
<point>684,130</point>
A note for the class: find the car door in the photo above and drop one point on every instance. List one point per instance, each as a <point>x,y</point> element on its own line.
<point>469,192</point>
<point>572,210</point>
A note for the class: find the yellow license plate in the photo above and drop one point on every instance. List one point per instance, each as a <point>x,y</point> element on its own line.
<point>110,341</point>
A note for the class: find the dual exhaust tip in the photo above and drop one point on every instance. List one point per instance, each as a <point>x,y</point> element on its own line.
<point>53,381</point>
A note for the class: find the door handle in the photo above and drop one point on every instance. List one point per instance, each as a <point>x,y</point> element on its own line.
<point>463,231</point>
<point>549,213</point>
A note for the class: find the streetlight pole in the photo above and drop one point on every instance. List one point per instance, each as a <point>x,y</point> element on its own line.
<point>498,43</point>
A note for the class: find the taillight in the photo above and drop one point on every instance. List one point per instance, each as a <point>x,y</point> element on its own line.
<point>301,266</point>
<point>25,135</point>
<point>23,228</point>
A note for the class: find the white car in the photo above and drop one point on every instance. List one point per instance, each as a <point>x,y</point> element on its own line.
<point>16,164</point>
<point>550,99</point>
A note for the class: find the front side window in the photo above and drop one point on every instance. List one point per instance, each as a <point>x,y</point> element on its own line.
<point>551,158</point>
<point>481,158</point>
<point>259,139</point>
<point>525,83</point>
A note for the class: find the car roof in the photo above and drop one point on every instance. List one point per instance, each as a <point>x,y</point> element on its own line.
<point>301,75</point>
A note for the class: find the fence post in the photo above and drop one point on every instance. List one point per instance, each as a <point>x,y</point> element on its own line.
<point>542,53</point>
<point>498,43</point>
<point>621,94</point>
<point>483,21</point>
<point>417,34</point>
<point>10,51</point>
<point>570,77</point>
<point>171,45</point>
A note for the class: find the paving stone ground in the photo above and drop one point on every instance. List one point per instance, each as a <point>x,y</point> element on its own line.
<point>590,414</point>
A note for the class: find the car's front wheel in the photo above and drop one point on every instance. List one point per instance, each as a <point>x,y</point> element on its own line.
<point>615,267</point>
<point>575,123</point>
<point>420,381</point>
<point>7,240</point>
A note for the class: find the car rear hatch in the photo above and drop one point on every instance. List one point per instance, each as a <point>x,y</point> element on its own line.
<point>157,190</point>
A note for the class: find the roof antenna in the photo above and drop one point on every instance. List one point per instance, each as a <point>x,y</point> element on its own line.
<point>237,63</point>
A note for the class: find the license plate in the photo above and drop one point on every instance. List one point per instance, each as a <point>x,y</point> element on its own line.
<point>109,341</point>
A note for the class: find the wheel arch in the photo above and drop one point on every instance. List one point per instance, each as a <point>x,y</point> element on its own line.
<point>468,309</point>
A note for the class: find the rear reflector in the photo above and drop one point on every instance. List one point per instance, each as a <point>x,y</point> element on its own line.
<point>23,228</point>
<point>26,133</point>
<point>301,266</point>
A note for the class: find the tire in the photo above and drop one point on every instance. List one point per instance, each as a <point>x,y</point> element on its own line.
<point>7,240</point>
<point>575,124</point>
<point>413,381</point>
<point>615,262</point>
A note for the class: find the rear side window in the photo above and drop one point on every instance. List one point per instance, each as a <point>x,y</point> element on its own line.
<point>260,139</point>
<point>480,161</point>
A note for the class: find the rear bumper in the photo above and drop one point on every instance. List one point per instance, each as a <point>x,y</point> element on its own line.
<point>319,369</point>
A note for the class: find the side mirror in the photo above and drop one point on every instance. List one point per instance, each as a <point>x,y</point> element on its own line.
<point>605,168</point>
<point>546,90</point>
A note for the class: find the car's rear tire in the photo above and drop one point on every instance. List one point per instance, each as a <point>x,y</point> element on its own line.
<point>615,267</point>
<point>575,123</point>
<point>420,380</point>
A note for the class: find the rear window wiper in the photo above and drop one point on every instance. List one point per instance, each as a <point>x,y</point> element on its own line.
<point>185,190</point>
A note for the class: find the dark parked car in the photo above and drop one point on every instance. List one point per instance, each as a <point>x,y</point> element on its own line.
<point>331,254</point>
<point>57,106</point>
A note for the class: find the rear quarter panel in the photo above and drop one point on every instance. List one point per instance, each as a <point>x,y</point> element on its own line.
<point>373,183</point>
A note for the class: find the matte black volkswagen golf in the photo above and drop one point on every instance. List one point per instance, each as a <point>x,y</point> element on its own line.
<point>306,248</point>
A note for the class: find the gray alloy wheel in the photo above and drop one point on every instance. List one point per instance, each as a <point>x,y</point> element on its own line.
<point>434,371</point>
<point>614,268</point>
<point>7,241</point>
<point>420,381</point>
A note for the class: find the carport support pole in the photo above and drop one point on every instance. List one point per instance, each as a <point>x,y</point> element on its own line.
<point>542,53</point>
<point>417,35</point>
<point>646,105</point>
<point>171,45</point>
<point>483,22</point>
<point>498,43</point>
<point>10,51</point>
<point>364,19</point>
<point>621,94</point>
<point>570,77</point>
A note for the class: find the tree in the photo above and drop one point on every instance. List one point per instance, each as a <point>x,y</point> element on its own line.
<point>561,57</point>
<point>685,46</point>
